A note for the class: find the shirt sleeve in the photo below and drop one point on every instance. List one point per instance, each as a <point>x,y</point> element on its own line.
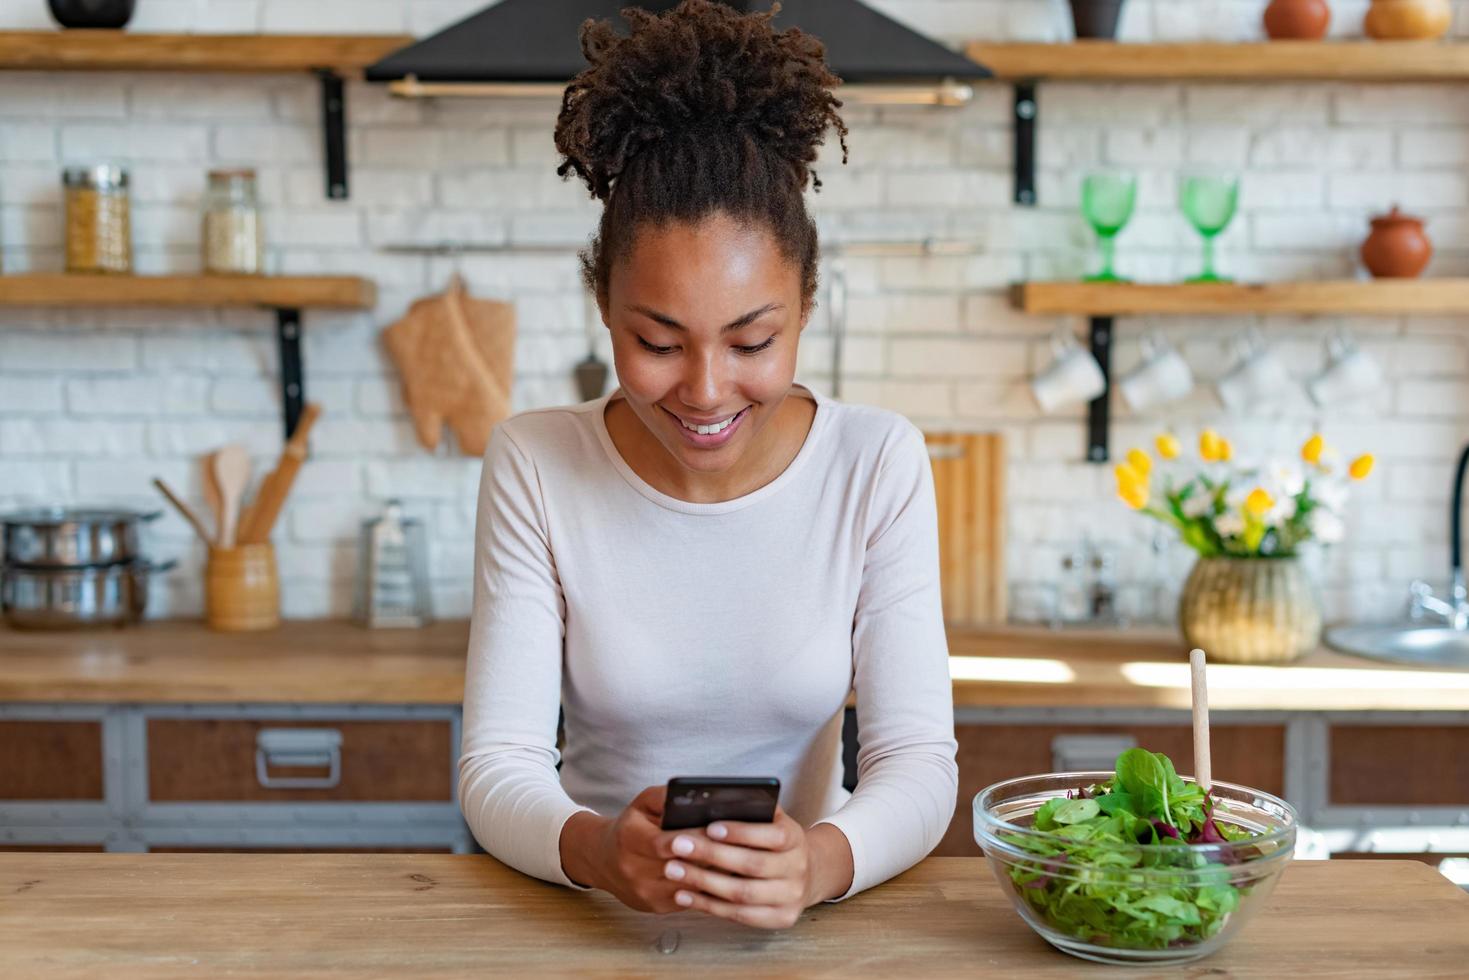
<point>907,777</point>
<point>509,789</point>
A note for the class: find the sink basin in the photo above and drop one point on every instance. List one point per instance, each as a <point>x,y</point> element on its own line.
<point>1435,646</point>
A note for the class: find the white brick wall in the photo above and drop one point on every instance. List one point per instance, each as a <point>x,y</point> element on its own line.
<point>94,403</point>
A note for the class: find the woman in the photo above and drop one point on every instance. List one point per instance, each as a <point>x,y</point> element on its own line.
<point>702,565</point>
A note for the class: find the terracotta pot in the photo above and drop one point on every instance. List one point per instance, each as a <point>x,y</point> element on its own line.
<point>1397,247</point>
<point>1408,20</point>
<point>1096,18</point>
<point>1297,20</point>
<point>1250,610</point>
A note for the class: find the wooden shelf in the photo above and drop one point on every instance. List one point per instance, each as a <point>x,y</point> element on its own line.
<point>279,292</point>
<point>1402,61</point>
<point>81,50</point>
<point>1364,297</point>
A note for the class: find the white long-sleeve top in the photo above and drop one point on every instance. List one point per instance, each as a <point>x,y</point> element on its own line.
<point>707,638</point>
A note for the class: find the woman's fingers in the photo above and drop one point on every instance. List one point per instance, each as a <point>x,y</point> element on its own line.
<point>739,891</point>
<point>780,835</point>
<point>759,916</point>
<point>747,861</point>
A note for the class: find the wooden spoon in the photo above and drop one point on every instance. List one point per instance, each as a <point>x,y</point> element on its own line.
<point>213,499</point>
<point>232,470</point>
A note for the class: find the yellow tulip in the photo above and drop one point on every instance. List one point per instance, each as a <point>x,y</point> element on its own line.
<point>1140,461</point>
<point>1258,503</point>
<point>1226,450</point>
<point>1126,474</point>
<point>1312,450</point>
<point>1361,466</point>
<point>1168,446</point>
<point>1135,495</point>
<point>1209,445</point>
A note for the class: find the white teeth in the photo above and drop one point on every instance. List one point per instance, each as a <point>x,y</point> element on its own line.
<point>705,430</point>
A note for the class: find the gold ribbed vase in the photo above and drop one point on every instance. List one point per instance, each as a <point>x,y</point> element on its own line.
<point>1250,610</point>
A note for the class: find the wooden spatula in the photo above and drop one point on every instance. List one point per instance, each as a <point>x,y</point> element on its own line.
<point>213,499</point>
<point>232,470</point>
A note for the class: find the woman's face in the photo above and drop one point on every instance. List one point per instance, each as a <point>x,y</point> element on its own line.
<point>704,320</point>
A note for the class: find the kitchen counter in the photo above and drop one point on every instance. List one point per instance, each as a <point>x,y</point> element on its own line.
<point>330,661</point>
<point>155,915</point>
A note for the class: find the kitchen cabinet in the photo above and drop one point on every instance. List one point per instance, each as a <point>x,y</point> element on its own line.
<point>229,777</point>
<point>1416,765</point>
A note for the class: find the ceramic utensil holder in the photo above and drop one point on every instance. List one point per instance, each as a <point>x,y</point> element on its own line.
<point>242,589</point>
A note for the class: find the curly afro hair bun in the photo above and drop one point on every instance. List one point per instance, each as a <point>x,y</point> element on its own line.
<point>698,110</point>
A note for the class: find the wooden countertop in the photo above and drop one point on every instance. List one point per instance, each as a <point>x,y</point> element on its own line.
<point>328,661</point>
<point>207,915</point>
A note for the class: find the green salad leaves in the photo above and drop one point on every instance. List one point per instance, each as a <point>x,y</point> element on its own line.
<point>1087,878</point>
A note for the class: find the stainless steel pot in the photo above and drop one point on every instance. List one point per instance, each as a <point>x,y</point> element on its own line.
<point>55,537</point>
<point>65,598</point>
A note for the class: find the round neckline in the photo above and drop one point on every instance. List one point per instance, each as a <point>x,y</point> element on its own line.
<point>818,424</point>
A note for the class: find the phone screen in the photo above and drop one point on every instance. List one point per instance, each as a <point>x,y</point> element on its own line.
<point>696,801</point>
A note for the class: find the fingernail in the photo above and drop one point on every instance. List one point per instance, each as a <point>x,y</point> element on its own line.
<point>683,845</point>
<point>674,870</point>
<point>718,831</point>
<point>683,898</point>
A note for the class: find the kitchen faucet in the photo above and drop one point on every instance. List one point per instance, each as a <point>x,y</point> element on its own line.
<point>1454,610</point>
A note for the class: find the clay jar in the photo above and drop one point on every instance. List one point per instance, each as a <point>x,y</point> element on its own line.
<point>1397,247</point>
<point>1297,20</point>
<point>1408,20</point>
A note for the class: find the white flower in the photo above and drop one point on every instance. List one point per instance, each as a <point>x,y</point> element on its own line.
<point>1326,527</point>
<point>1230,523</point>
<point>1284,510</point>
<point>1198,504</point>
<point>1285,479</point>
<point>1234,497</point>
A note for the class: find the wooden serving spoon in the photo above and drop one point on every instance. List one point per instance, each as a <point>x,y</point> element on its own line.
<point>232,470</point>
<point>213,499</point>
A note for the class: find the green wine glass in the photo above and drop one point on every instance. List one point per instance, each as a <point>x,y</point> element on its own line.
<point>1209,202</point>
<point>1107,200</point>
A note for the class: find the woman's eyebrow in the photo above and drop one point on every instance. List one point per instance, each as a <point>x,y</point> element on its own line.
<point>669,321</point>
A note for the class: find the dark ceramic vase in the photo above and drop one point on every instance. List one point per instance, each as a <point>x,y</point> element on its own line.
<point>92,13</point>
<point>1096,18</point>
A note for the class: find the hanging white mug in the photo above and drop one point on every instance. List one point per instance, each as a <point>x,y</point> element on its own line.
<point>1162,376</point>
<point>1349,371</point>
<point>1257,377</point>
<point>1072,376</point>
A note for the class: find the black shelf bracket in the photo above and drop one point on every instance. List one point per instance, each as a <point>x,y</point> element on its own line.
<point>334,131</point>
<point>293,391</point>
<point>1099,412</point>
<point>1027,109</point>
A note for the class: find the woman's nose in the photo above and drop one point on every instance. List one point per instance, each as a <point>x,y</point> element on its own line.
<point>702,383</point>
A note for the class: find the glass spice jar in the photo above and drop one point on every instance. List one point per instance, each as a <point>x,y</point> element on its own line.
<point>233,244</point>
<point>99,235</point>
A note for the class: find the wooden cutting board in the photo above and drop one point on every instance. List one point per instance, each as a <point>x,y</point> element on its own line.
<point>969,485</point>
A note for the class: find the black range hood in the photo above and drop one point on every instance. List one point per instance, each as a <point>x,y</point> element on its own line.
<point>537,41</point>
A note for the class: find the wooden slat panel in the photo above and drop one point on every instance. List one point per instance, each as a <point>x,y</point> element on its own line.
<point>84,50</point>
<point>43,289</point>
<point>51,760</point>
<point>969,491</point>
<point>1368,296</point>
<point>213,760</point>
<point>53,848</point>
<point>1251,755</point>
<point>1406,765</point>
<point>1263,62</point>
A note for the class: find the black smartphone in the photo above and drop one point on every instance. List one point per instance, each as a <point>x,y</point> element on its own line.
<point>697,801</point>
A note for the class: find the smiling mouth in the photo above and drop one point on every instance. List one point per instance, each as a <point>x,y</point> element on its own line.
<point>712,428</point>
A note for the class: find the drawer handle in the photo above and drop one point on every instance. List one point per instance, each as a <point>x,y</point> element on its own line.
<point>298,747</point>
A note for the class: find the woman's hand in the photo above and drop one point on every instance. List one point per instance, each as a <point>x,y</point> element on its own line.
<point>760,874</point>
<point>625,856</point>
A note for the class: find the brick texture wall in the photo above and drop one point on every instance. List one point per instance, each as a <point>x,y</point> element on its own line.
<point>94,403</point>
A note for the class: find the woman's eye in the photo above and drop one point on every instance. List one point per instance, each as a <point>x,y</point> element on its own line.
<point>655,350</point>
<point>669,350</point>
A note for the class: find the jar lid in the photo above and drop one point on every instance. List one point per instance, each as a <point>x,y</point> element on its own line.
<point>239,173</point>
<point>100,176</point>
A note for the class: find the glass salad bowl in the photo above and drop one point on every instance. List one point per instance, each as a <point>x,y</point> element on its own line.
<point>1121,902</point>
